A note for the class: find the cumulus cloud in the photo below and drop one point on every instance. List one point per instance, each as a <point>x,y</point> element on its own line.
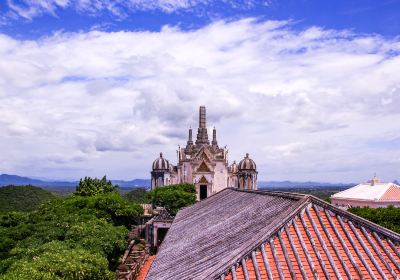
<point>305,104</point>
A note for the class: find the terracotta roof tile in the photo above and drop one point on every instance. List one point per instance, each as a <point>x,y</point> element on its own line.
<point>392,193</point>
<point>366,191</point>
<point>373,258</point>
<point>145,268</point>
<point>304,238</point>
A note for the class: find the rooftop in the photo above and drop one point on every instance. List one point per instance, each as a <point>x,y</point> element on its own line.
<point>238,234</point>
<point>370,191</point>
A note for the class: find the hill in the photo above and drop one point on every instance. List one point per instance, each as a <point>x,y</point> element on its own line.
<point>308,184</point>
<point>6,179</point>
<point>23,198</point>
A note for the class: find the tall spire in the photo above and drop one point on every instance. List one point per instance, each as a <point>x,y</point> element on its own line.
<point>202,117</point>
<point>190,139</point>
<point>214,141</point>
<point>202,135</point>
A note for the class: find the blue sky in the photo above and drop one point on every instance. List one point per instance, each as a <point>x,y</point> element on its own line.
<point>24,19</point>
<point>311,89</point>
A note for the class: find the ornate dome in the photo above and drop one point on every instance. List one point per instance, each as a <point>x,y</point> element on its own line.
<point>234,167</point>
<point>161,163</point>
<point>247,164</point>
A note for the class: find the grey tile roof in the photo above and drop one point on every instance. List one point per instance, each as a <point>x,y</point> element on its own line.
<point>163,216</point>
<point>217,230</point>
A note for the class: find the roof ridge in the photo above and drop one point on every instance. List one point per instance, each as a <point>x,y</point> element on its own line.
<point>309,201</point>
<point>359,220</point>
<point>387,232</point>
<point>302,203</point>
<point>290,195</point>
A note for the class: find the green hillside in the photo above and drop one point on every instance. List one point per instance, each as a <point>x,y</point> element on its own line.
<point>80,237</point>
<point>22,198</point>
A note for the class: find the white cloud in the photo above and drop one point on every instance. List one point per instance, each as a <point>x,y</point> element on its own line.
<point>306,105</point>
<point>30,9</point>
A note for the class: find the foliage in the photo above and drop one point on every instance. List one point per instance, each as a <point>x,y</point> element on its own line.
<point>57,259</point>
<point>22,198</point>
<point>90,187</point>
<point>136,195</point>
<point>386,217</point>
<point>80,237</point>
<point>173,197</point>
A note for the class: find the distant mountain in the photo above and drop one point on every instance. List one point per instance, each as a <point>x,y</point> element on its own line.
<point>6,179</point>
<point>133,183</point>
<point>15,180</point>
<point>291,184</point>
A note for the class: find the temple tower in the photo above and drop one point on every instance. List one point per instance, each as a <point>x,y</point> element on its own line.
<point>202,135</point>
<point>205,165</point>
<point>247,174</point>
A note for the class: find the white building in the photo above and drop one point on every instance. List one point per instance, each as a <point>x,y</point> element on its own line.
<point>373,194</point>
<point>205,165</point>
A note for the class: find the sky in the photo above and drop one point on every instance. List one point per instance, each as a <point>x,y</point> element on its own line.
<point>309,88</point>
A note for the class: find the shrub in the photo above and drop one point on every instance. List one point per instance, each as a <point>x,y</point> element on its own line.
<point>173,197</point>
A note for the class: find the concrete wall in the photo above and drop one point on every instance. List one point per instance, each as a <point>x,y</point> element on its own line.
<point>360,203</point>
<point>220,177</point>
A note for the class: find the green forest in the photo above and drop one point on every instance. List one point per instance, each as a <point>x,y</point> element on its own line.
<point>23,198</point>
<point>79,237</point>
<point>386,217</point>
<point>44,236</point>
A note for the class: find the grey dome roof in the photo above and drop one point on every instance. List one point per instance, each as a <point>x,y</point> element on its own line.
<point>161,163</point>
<point>247,164</point>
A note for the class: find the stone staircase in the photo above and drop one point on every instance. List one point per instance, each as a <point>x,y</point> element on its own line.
<point>134,257</point>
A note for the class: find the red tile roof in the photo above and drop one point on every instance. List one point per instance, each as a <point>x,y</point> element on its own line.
<point>270,235</point>
<point>145,268</point>
<point>319,243</point>
<point>392,193</point>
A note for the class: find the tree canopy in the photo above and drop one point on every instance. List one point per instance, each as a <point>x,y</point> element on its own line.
<point>89,186</point>
<point>138,195</point>
<point>80,237</point>
<point>23,198</point>
<point>173,197</point>
<point>387,217</point>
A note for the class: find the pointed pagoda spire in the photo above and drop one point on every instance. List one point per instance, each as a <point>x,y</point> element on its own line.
<point>202,135</point>
<point>214,141</point>
<point>202,117</point>
<point>190,139</point>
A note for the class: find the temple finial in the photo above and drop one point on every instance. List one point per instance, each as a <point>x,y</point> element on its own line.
<point>190,139</point>
<point>202,117</point>
<point>375,180</point>
<point>202,135</point>
<point>214,141</point>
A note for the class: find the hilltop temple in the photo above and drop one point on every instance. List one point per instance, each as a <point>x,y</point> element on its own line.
<point>205,165</point>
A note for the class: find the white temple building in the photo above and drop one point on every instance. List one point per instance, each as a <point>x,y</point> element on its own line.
<point>373,194</point>
<point>205,165</point>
